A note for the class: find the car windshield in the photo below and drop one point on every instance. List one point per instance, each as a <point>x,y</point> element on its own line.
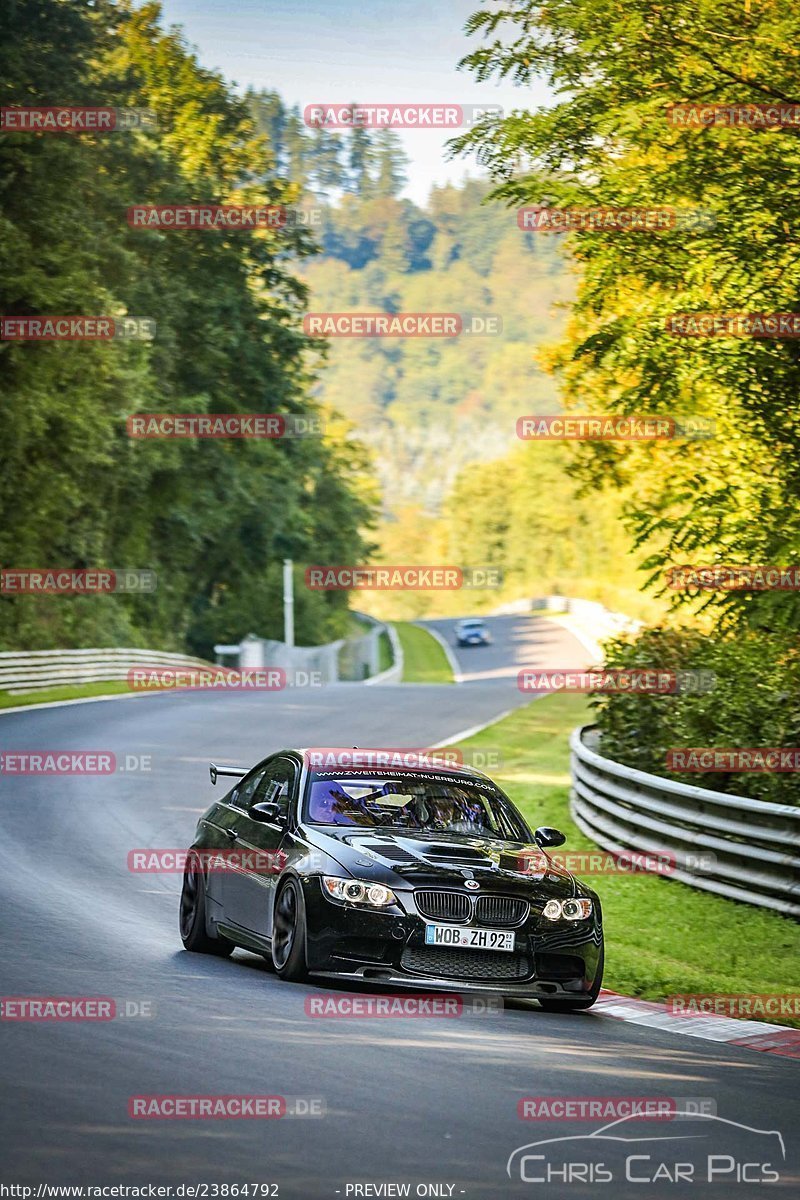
<point>430,803</point>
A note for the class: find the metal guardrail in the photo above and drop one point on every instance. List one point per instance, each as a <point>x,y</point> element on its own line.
<point>28,671</point>
<point>25,671</point>
<point>353,659</point>
<point>394,673</point>
<point>743,849</point>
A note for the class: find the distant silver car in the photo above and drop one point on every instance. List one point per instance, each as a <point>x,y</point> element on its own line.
<point>472,631</point>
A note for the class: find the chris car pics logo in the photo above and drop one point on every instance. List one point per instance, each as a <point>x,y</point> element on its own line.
<point>702,1148</point>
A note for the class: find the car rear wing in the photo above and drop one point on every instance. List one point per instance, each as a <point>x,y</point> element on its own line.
<point>215,771</point>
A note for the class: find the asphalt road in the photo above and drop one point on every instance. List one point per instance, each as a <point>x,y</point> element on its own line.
<point>407,1101</point>
<point>521,641</point>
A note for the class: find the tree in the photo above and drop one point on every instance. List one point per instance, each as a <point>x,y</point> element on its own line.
<point>360,162</point>
<point>325,158</point>
<point>269,117</point>
<point>297,165</point>
<point>609,140</point>
<point>76,491</point>
<point>391,161</point>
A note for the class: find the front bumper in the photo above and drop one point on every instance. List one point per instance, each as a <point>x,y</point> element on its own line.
<point>388,947</point>
<point>532,990</point>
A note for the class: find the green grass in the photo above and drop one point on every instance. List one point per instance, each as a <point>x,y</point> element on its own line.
<point>424,660</point>
<point>78,691</point>
<point>662,937</point>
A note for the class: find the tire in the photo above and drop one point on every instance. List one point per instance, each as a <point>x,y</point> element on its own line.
<point>192,915</point>
<point>289,933</point>
<point>561,1005</point>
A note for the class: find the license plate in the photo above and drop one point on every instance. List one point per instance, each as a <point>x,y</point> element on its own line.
<point>469,939</point>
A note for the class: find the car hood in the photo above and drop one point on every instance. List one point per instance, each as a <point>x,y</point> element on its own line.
<point>410,860</point>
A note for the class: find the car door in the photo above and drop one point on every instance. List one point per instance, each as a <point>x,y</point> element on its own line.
<point>224,832</point>
<point>256,846</point>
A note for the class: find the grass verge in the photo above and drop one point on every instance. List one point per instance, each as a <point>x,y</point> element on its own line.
<point>78,691</point>
<point>424,660</point>
<point>662,937</point>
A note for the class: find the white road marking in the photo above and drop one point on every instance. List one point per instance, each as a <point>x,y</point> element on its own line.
<point>468,733</point>
<point>84,700</point>
<point>451,658</point>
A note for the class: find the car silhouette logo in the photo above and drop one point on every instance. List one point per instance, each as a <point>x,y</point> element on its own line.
<point>698,1128</point>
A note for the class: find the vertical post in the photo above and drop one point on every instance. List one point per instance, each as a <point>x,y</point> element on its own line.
<point>288,602</point>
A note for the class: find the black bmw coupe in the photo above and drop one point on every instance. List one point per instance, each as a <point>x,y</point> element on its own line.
<point>391,867</point>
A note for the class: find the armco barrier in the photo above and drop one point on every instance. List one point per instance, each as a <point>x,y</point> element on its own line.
<point>350,658</point>
<point>354,659</point>
<point>394,673</point>
<point>25,671</point>
<point>744,849</point>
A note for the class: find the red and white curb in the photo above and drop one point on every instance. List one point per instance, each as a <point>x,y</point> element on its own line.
<point>753,1035</point>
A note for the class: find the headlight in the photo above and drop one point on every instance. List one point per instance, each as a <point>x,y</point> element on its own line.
<point>358,892</point>
<point>570,910</point>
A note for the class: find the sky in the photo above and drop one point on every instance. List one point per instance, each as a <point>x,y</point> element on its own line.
<point>316,51</point>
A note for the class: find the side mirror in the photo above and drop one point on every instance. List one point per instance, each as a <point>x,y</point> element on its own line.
<point>268,813</point>
<point>545,836</point>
